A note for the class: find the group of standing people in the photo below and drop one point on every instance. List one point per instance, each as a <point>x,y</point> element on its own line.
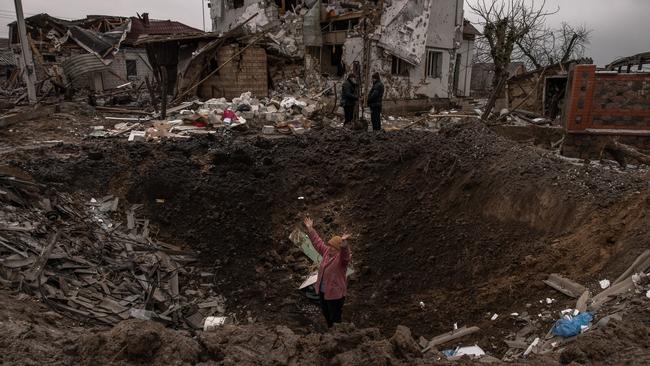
<point>350,99</point>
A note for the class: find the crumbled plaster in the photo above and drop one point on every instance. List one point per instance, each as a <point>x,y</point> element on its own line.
<point>405,25</point>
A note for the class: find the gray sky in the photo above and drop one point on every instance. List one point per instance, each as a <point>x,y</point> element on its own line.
<point>620,28</point>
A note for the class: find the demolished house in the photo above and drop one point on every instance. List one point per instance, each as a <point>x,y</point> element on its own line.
<point>7,61</point>
<point>421,48</point>
<point>541,91</point>
<point>96,53</point>
<point>483,77</point>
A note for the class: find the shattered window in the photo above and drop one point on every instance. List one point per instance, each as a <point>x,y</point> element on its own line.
<point>399,67</point>
<point>433,64</point>
<point>131,68</point>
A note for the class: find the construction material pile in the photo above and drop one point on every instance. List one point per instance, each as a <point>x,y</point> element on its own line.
<point>85,262</point>
<point>288,115</point>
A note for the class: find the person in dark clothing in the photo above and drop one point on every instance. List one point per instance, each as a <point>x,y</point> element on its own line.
<point>375,98</point>
<point>349,98</point>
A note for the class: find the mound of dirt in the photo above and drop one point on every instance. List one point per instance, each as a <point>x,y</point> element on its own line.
<point>464,221</point>
<point>344,345</point>
<point>137,342</point>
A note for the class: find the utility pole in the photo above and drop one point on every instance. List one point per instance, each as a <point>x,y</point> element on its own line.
<point>26,54</point>
<point>203,12</point>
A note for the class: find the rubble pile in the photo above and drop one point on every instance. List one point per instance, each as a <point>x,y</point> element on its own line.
<point>91,263</point>
<point>287,116</point>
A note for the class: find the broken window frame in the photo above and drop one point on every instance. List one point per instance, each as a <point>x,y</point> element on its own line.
<point>131,68</point>
<point>433,64</point>
<point>236,4</point>
<point>399,67</point>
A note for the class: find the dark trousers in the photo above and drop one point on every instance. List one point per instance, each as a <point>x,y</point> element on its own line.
<point>332,310</point>
<point>375,117</point>
<point>349,113</point>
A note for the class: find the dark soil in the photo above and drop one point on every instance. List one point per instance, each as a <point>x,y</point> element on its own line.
<point>466,222</point>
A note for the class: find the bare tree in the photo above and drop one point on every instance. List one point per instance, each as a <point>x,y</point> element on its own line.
<point>543,46</point>
<point>505,24</point>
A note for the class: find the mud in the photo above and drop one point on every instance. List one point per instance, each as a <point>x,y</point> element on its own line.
<point>464,221</point>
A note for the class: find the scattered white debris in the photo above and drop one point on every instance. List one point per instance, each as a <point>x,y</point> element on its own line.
<point>514,314</point>
<point>530,348</point>
<point>301,198</point>
<point>213,322</point>
<point>549,300</point>
<point>422,306</point>
<point>473,351</point>
<point>647,294</point>
<point>604,284</point>
<point>455,326</point>
<point>494,317</point>
<point>92,200</point>
<point>137,136</point>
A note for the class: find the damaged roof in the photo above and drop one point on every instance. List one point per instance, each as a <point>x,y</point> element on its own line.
<point>640,58</point>
<point>144,27</point>
<point>470,29</point>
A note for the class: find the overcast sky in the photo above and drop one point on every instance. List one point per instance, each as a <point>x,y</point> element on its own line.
<point>620,28</point>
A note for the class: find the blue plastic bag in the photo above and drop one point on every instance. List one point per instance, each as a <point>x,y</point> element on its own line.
<point>572,327</point>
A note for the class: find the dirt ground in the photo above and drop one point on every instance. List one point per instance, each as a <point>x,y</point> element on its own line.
<point>466,222</point>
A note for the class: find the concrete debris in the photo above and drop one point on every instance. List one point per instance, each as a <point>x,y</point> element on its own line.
<point>289,116</point>
<point>459,352</point>
<point>450,336</point>
<point>213,322</point>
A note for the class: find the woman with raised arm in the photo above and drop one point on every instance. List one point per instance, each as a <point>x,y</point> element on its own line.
<point>332,283</point>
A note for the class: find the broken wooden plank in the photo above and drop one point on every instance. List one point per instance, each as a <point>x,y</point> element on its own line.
<point>581,305</point>
<point>18,263</point>
<point>565,286</point>
<point>607,295</point>
<point>130,220</point>
<point>517,344</point>
<point>450,336</point>
<point>22,254</point>
<point>641,264</point>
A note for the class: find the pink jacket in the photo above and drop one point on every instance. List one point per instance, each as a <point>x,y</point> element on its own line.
<point>336,282</point>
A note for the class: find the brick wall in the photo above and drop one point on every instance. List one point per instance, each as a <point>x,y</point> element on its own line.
<point>607,102</point>
<point>601,106</point>
<point>247,72</point>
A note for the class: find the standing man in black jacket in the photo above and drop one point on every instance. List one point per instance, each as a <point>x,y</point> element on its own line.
<point>349,98</point>
<point>375,98</point>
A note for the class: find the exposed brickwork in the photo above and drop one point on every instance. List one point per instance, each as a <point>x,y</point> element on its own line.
<point>605,101</point>
<point>247,72</point>
<point>590,146</point>
<point>606,105</point>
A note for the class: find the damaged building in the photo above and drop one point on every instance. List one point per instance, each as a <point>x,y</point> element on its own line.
<point>96,53</point>
<point>422,49</point>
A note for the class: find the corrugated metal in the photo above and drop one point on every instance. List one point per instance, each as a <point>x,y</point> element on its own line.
<point>80,65</point>
<point>7,58</point>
